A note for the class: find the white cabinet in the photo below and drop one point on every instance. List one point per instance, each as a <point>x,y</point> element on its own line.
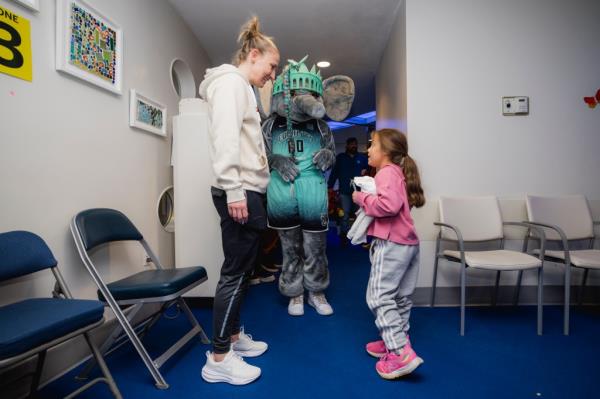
<point>197,231</point>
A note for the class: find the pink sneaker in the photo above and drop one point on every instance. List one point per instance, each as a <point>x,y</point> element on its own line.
<point>392,366</point>
<point>376,348</point>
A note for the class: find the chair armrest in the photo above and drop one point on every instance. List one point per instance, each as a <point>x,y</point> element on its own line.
<point>560,232</point>
<point>531,227</point>
<point>461,242</point>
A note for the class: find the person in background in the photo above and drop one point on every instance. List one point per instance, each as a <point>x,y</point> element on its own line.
<point>348,164</point>
<point>241,177</point>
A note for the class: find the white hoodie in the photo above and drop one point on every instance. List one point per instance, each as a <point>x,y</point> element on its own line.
<point>237,149</point>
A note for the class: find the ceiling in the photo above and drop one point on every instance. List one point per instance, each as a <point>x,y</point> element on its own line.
<point>351,34</point>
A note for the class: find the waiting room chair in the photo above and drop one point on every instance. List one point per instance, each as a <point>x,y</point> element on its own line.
<point>477,220</point>
<point>94,227</point>
<point>567,222</point>
<point>32,326</point>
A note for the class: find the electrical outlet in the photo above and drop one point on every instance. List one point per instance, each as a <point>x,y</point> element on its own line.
<point>515,105</point>
<point>146,261</point>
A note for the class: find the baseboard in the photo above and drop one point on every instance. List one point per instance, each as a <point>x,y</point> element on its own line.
<point>200,302</point>
<point>482,295</point>
<point>478,295</point>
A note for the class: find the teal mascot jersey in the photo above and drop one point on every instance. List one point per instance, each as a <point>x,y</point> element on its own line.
<point>300,148</point>
<point>303,202</point>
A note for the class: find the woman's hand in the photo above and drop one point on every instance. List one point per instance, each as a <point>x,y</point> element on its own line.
<point>238,211</point>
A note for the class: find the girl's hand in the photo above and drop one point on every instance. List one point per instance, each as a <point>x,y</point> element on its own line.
<point>355,197</point>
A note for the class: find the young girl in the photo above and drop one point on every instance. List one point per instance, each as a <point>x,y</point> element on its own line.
<point>394,250</point>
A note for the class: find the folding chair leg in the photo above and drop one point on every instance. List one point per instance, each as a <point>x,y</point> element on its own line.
<point>83,375</point>
<point>518,288</point>
<point>35,381</point>
<point>108,379</point>
<point>188,312</point>
<point>148,362</point>
<point>108,343</point>
<point>567,298</point>
<point>495,293</point>
<point>435,268</point>
<point>463,272</point>
<point>540,298</point>
<point>582,287</point>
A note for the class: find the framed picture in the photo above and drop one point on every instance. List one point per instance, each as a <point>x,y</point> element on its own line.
<point>89,45</point>
<point>147,114</point>
<point>31,4</point>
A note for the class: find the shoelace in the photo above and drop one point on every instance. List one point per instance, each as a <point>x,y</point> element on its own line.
<point>298,300</point>
<point>244,335</point>
<point>386,357</point>
<point>237,356</point>
<point>320,298</point>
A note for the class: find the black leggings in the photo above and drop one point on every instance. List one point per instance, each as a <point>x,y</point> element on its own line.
<point>240,247</point>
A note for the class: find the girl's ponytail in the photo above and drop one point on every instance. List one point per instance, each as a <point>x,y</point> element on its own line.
<point>395,145</point>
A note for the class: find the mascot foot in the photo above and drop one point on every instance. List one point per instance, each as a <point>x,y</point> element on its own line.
<point>296,305</point>
<point>319,302</point>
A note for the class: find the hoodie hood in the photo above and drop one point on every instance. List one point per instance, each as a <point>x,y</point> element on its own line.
<point>213,73</point>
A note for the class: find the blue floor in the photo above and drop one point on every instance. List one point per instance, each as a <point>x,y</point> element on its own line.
<point>323,357</point>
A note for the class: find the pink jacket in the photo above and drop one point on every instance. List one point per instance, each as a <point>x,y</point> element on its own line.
<point>389,207</point>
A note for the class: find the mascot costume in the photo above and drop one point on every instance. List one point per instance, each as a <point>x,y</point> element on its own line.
<point>300,148</point>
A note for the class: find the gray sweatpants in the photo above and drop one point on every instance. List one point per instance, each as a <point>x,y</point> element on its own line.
<point>394,272</point>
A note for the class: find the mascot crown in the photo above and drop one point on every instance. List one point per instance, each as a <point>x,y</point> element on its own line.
<point>300,78</point>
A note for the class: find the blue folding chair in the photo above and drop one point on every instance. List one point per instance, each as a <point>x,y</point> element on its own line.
<point>94,227</point>
<point>32,326</point>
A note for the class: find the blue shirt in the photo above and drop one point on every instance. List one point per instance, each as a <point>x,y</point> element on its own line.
<point>346,167</point>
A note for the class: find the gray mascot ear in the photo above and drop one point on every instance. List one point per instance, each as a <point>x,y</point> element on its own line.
<point>263,99</point>
<point>338,95</point>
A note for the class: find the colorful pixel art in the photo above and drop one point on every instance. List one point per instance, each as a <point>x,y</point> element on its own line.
<point>92,45</point>
<point>149,114</point>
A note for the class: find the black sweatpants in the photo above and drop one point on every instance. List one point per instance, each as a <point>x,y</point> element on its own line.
<point>240,247</point>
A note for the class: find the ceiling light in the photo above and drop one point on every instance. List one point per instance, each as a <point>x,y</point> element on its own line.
<point>323,64</point>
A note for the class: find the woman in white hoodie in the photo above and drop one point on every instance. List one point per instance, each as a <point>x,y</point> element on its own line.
<point>241,175</point>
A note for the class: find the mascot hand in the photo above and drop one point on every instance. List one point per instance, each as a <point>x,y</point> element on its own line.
<point>286,168</point>
<point>323,159</point>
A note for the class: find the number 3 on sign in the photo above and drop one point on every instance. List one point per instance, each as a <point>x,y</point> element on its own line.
<point>15,45</point>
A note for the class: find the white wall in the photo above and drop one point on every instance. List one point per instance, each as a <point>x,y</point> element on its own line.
<point>390,80</point>
<point>461,58</point>
<point>66,145</point>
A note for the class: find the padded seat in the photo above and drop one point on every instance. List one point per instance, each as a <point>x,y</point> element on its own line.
<point>34,322</point>
<point>154,283</point>
<point>102,226</point>
<point>477,220</point>
<point>497,260</point>
<point>589,258</point>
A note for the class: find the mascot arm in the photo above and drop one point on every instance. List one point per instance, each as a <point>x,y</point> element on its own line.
<point>285,166</point>
<point>325,157</point>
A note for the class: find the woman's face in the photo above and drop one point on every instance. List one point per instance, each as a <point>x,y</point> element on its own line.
<point>263,66</point>
<point>376,155</point>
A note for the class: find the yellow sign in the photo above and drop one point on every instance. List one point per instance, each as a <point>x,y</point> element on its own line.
<point>15,45</point>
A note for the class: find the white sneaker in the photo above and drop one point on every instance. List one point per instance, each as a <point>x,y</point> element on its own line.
<point>319,302</point>
<point>296,305</point>
<point>245,346</point>
<point>232,370</point>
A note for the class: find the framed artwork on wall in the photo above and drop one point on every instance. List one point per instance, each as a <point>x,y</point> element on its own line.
<point>147,114</point>
<point>31,4</point>
<point>89,45</point>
